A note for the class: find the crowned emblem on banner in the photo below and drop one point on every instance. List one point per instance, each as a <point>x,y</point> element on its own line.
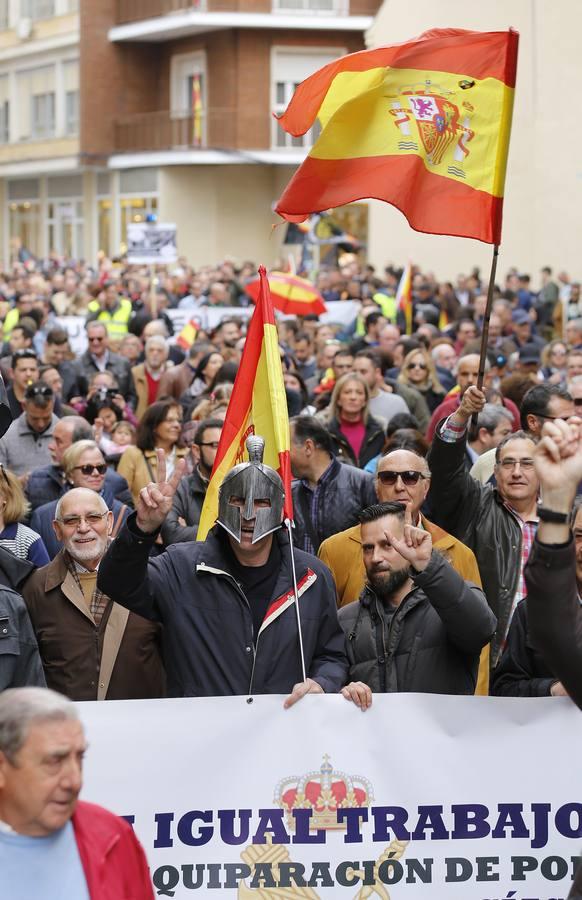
<point>324,791</point>
<point>440,122</point>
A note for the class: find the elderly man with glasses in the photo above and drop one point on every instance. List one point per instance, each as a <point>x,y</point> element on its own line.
<point>91,648</point>
<point>498,522</point>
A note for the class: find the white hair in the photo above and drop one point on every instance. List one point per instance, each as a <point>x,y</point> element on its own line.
<point>102,503</point>
<point>22,707</point>
<point>156,340</point>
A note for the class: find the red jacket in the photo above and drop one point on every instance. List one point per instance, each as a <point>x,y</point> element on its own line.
<point>114,862</point>
<point>450,404</point>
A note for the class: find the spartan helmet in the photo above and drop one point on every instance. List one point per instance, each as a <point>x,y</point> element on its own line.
<point>253,481</point>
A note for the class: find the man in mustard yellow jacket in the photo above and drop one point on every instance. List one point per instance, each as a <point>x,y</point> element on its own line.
<point>402,475</point>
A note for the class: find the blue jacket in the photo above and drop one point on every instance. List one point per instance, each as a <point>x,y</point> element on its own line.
<point>42,519</point>
<point>208,637</point>
<point>46,484</point>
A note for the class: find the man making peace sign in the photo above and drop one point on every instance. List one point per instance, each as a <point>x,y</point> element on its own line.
<point>227,604</point>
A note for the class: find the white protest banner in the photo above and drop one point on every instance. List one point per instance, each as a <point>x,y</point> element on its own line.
<point>422,796</point>
<point>75,328</point>
<point>151,243</point>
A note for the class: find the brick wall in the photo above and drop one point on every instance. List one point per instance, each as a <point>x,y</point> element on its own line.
<point>115,80</point>
<point>120,80</point>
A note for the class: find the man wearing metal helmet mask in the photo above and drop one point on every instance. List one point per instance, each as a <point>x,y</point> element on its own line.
<point>227,604</point>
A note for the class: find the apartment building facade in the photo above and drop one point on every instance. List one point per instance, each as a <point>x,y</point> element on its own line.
<point>41,186</point>
<point>177,98</point>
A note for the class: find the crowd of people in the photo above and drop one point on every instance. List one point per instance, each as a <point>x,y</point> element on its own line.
<point>421,493</point>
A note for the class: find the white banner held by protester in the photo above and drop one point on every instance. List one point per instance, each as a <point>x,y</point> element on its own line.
<point>151,243</point>
<point>422,796</point>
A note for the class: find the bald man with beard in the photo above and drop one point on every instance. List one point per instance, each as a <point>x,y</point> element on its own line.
<point>91,648</point>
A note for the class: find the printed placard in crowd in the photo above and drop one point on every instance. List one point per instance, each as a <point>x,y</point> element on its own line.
<point>422,796</point>
<point>150,243</point>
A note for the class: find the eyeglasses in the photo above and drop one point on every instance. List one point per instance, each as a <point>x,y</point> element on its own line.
<point>213,444</point>
<point>89,519</point>
<point>509,463</point>
<point>38,390</point>
<point>549,418</point>
<point>88,469</point>
<point>417,366</point>
<point>408,478</point>
<point>96,340</point>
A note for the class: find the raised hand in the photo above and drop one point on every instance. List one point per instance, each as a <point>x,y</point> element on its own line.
<point>473,401</point>
<point>155,500</point>
<point>558,463</point>
<point>415,546</point>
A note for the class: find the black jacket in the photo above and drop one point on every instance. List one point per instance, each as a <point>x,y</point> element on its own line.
<point>187,504</point>
<point>522,671</point>
<point>20,664</point>
<point>372,445</point>
<point>554,612</point>
<point>345,492</point>
<point>209,645</point>
<point>475,514</point>
<point>118,365</point>
<point>432,642</point>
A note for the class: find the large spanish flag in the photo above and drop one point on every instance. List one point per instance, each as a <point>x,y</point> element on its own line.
<point>423,125</point>
<point>258,405</point>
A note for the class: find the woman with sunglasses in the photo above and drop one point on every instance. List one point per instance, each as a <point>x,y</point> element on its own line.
<point>159,429</point>
<point>554,357</point>
<point>418,371</point>
<point>84,466</point>
<point>18,539</point>
<point>357,436</point>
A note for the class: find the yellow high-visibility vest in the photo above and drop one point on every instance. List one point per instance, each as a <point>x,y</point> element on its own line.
<point>116,322</point>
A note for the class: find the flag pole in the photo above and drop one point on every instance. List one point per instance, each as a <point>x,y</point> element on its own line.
<point>485,331</point>
<point>297,613</point>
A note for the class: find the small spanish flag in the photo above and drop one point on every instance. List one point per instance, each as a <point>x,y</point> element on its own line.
<point>423,125</point>
<point>404,297</point>
<point>196,111</point>
<point>188,334</point>
<point>258,405</point>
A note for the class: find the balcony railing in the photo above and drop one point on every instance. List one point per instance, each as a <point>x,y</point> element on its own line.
<point>136,10</point>
<point>165,130</point>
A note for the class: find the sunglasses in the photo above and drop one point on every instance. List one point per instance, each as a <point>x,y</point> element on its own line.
<point>408,478</point>
<point>577,401</point>
<point>416,366</point>
<point>88,470</point>
<point>38,390</point>
<point>24,353</point>
<point>95,340</point>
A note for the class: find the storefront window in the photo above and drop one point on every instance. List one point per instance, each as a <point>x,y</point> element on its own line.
<point>104,226</point>
<point>135,209</point>
<point>24,223</point>
<point>65,227</point>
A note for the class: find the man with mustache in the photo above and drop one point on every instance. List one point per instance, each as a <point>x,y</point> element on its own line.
<point>91,648</point>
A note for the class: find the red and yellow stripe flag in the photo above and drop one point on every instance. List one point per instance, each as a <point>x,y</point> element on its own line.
<point>258,405</point>
<point>404,297</point>
<point>423,125</point>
